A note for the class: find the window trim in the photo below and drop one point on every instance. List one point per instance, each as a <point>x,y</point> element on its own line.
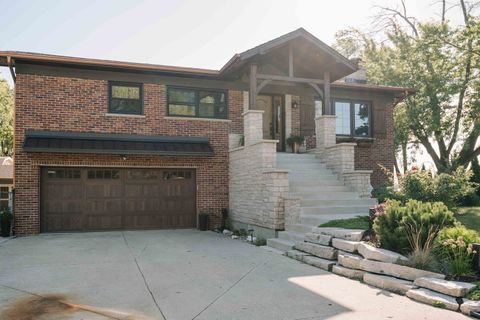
<point>352,103</point>
<point>197,102</point>
<point>125,84</point>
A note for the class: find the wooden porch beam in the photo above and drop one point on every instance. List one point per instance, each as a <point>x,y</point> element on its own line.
<point>317,89</point>
<point>262,85</point>
<point>326,94</point>
<point>253,87</point>
<point>288,79</point>
<point>290,61</point>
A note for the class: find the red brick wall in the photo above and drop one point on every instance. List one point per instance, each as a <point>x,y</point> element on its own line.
<point>79,105</point>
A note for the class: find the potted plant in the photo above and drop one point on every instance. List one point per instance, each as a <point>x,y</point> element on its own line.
<point>294,142</point>
<point>203,218</point>
<point>6,218</point>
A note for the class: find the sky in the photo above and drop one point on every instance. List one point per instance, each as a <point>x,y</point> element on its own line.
<point>190,33</point>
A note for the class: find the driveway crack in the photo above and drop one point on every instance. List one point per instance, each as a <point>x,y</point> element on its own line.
<point>143,276</point>
<point>230,288</point>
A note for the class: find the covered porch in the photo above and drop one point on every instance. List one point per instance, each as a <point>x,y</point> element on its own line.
<point>278,73</point>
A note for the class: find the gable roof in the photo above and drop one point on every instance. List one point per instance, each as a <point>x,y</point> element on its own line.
<point>300,33</point>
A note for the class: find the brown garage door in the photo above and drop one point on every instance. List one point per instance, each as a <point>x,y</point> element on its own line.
<point>112,198</point>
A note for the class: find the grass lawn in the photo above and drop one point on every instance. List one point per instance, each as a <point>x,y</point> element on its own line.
<point>360,222</point>
<point>469,217</point>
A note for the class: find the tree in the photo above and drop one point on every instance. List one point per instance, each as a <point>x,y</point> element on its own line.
<point>442,62</point>
<point>6,119</point>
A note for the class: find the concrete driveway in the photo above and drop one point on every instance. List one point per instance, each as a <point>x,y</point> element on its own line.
<point>183,274</point>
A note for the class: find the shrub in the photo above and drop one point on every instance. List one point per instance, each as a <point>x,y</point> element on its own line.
<point>398,223</point>
<point>450,189</point>
<point>261,242</point>
<point>474,294</point>
<point>384,193</point>
<point>454,245</point>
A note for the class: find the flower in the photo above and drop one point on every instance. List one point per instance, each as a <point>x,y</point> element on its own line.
<point>399,174</point>
<point>414,168</point>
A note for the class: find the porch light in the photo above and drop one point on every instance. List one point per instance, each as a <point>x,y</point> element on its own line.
<point>294,105</point>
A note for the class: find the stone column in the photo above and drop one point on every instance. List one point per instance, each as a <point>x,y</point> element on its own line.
<point>325,132</point>
<point>253,126</point>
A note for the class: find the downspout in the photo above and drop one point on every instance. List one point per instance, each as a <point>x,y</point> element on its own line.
<point>10,66</point>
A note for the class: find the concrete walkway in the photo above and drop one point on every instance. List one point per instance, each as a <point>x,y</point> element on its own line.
<point>183,274</point>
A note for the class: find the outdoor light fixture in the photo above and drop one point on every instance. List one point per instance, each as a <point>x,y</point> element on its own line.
<point>294,105</point>
<point>124,157</point>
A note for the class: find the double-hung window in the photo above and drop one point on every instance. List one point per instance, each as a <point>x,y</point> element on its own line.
<point>126,98</point>
<point>353,118</point>
<point>197,103</point>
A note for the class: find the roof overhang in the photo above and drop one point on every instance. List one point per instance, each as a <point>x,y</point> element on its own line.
<point>121,144</point>
<point>308,47</point>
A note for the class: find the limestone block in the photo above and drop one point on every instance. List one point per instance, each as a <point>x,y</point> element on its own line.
<point>372,253</point>
<point>388,283</point>
<point>317,250</point>
<point>469,306</point>
<point>349,260</point>
<point>345,245</point>
<point>319,262</point>
<point>349,273</point>
<point>318,238</point>
<point>348,234</point>
<point>396,270</point>
<point>433,298</point>
<point>451,288</point>
<point>296,254</point>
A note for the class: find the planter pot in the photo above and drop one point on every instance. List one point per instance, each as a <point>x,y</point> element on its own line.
<point>5,226</point>
<point>295,148</point>
<point>203,222</point>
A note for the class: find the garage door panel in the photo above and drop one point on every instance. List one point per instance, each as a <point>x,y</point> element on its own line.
<point>106,198</point>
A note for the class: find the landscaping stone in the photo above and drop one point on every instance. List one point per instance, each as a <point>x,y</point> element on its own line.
<point>349,260</point>
<point>349,273</point>
<point>317,250</point>
<point>348,234</point>
<point>227,232</point>
<point>345,245</point>
<point>318,238</point>
<point>319,262</point>
<point>469,306</point>
<point>372,253</point>
<point>296,254</point>
<point>396,270</point>
<point>451,288</point>
<point>433,298</point>
<point>388,283</point>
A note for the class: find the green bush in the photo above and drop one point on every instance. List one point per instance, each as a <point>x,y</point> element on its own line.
<point>450,189</point>
<point>395,227</point>
<point>454,245</point>
<point>474,294</point>
<point>384,193</point>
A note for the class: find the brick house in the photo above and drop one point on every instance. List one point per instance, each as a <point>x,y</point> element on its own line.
<point>114,145</point>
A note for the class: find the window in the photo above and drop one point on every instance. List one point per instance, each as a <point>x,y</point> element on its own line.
<point>318,107</point>
<point>353,118</point>
<point>64,174</point>
<point>197,103</point>
<point>103,174</point>
<point>4,195</point>
<point>126,98</point>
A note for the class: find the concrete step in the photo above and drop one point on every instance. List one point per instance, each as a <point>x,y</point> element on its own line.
<point>318,210</point>
<point>301,189</point>
<point>299,228</point>
<point>291,236</point>
<point>280,244</point>
<point>303,165</point>
<point>328,195</point>
<point>316,220</point>
<point>349,202</point>
<point>316,183</point>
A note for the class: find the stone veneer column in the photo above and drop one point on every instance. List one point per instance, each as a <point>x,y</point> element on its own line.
<point>325,131</point>
<point>253,126</point>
